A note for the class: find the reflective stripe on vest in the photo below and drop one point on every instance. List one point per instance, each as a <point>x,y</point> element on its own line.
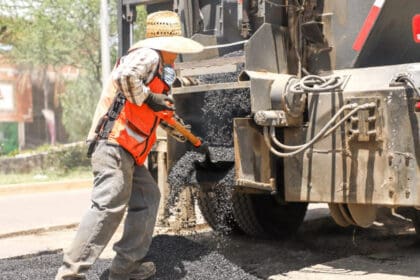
<point>135,127</point>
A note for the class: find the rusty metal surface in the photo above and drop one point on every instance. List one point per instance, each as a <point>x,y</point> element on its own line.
<point>254,167</point>
<point>202,64</point>
<point>208,87</point>
<point>381,169</point>
<point>187,71</point>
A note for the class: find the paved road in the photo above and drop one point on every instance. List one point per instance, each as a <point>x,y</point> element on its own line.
<point>320,250</point>
<point>41,210</point>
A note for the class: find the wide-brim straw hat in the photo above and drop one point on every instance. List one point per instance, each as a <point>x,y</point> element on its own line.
<point>164,32</point>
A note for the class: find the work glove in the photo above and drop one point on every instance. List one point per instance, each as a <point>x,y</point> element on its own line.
<point>159,102</point>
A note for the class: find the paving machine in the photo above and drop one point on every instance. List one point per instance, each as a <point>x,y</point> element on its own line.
<point>313,101</point>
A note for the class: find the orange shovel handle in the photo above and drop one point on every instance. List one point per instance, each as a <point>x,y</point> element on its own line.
<point>168,117</point>
<point>186,133</point>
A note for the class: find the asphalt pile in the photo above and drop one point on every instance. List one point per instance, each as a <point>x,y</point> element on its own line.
<point>219,109</point>
<point>184,172</point>
<point>176,257</point>
<point>221,106</point>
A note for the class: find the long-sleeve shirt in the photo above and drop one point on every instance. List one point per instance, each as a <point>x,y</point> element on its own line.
<point>130,76</point>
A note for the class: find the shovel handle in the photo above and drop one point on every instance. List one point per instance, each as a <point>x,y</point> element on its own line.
<point>186,133</point>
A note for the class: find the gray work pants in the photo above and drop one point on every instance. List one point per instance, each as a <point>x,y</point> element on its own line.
<point>118,183</point>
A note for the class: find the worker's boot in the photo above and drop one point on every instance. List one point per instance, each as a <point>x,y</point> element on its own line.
<point>143,271</point>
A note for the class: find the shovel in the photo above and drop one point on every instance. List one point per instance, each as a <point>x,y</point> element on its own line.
<point>201,147</point>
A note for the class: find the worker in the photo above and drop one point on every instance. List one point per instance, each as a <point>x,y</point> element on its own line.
<point>122,135</point>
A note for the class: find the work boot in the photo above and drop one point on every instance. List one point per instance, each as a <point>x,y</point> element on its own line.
<point>144,271</point>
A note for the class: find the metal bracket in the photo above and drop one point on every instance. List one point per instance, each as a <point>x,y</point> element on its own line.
<point>130,14</point>
<point>270,187</point>
<point>364,126</point>
<point>271,118</point>
<point>405,79</point>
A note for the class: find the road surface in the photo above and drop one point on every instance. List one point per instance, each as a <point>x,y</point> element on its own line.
<point>320,250</point>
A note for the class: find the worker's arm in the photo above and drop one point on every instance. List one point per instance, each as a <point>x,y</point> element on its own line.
<point>135,70</point>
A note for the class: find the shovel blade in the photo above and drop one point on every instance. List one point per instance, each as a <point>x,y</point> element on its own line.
<point>207,164</point>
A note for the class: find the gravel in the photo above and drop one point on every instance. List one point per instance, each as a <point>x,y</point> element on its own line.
<point>176,257</point>
<point>221,106</point>
<point>219,109</point>
<point>184,172</point>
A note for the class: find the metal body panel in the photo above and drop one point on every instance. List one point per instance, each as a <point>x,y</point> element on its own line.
<point>260,86</point>
<point>254,165</point>
<point>342,20</point>
<point>391,39</point>
<point>383,169</point>
<point>267,50</point>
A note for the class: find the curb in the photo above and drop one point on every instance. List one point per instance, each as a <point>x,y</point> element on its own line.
<point>26,188</point>
<point>38,230</point>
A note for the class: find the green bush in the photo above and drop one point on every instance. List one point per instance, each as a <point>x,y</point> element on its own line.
<point>79,103</point>
<point>67,158</point>
<point>8,138</point>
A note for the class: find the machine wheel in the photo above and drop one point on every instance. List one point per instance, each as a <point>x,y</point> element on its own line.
<point>415,217</point>
<point>216,208</point>
<point>261,215</point>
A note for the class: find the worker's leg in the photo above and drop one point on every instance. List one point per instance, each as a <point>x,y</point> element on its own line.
<point>139,223</point>
<point>113,172</point>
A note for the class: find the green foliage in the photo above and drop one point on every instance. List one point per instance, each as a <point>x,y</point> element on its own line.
<point>8,138</point>
<point>59,33</point>
<point>79,104</point>
<point>67,158</point>
<point>140,26</point>
<point>53,32</point>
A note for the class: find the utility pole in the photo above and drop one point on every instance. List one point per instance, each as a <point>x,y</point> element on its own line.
<point>105,56</point>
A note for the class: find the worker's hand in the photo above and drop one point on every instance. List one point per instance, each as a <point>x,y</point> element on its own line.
<point>160,102</point>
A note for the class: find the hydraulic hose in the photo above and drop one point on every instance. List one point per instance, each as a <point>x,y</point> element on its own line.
<point>325,131</point>
<point>316,84</point>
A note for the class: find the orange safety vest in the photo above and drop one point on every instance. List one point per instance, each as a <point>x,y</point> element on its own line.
<point>135,127</point>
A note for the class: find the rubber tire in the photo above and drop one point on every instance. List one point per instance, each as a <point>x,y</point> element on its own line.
<point>262,216</point>
<point>415,218</point>
<point>216,208</point>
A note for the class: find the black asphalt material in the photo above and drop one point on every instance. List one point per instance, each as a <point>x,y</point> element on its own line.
<point>219,109</point>
<point>221,106</point>
<point>184,172</point>
<point>176,257</point>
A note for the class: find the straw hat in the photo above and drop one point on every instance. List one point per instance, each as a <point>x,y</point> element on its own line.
<point>164,32</point>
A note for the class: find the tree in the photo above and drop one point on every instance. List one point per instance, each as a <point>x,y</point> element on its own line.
<point>51,34</point>
<point>56,33</point>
